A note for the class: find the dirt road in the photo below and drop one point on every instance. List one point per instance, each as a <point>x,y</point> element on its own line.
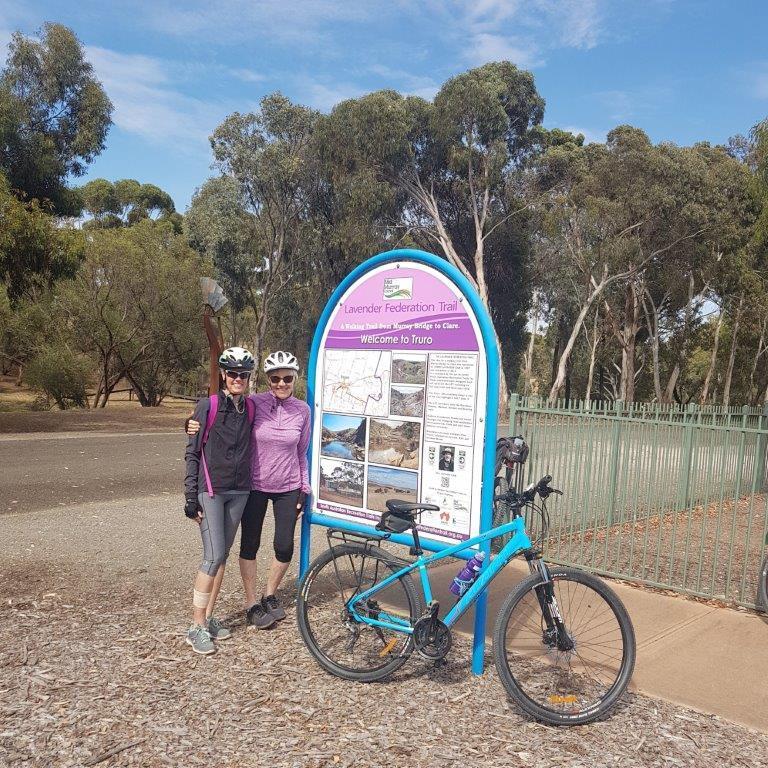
<point>49,470</point>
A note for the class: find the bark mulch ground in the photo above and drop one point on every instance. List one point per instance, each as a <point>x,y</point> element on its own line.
<point>94,671</point>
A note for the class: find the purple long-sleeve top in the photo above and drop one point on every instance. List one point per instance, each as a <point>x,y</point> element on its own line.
<point>279,443</point>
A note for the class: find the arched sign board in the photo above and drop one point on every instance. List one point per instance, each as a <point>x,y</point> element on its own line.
<point>403,388</point>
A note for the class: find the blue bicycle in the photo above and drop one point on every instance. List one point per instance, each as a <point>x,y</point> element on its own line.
<point>564,645</point>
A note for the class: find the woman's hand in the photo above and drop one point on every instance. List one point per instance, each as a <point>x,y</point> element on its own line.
<point>300,504</point>
<point>193,511</point>
<point>193,427</point>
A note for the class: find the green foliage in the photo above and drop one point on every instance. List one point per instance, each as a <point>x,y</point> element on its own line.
<point>54,115</point>
<point>124,202</point>
<point>133,308</point>
<point>34,252</point>
<point>61,374</point>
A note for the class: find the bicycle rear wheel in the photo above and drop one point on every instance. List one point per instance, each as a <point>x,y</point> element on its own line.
<point>342,645</point>
<point>763,586</point>
<point>569,672</point>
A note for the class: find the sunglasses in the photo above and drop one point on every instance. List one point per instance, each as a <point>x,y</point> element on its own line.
<point>239,374</point>
<point>278,379</point>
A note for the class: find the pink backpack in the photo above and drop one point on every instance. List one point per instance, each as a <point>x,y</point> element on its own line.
<point>213,409</point>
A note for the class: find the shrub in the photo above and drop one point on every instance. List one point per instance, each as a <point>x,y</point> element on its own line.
<point>61,375</point>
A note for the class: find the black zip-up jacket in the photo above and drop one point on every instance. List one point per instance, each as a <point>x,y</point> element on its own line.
<point>227,452</point>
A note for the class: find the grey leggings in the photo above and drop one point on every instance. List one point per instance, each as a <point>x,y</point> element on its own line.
<point>221,516</point>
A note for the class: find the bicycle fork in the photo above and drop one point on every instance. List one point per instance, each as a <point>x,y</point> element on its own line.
<point>555,633</point>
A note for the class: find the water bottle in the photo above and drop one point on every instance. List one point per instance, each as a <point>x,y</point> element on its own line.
<point>467,574</point>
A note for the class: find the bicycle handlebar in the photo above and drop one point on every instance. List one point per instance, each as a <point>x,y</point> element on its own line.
<point>542,488</point>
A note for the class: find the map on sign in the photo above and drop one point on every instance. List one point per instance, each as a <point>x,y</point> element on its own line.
<point>356,381</point>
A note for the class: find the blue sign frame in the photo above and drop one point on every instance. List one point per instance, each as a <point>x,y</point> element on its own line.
<point>490,419</point>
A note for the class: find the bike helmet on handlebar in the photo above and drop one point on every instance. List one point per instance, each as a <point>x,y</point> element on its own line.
<point>236,359</point>
<point>280,359</point>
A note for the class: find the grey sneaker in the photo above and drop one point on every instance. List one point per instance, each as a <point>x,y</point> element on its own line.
<point>272,604</point>
<point>217,630</point>
<point>200,640</point>
<point>256,616</point>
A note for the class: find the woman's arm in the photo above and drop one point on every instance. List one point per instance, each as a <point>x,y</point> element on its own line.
<point>192,454</point>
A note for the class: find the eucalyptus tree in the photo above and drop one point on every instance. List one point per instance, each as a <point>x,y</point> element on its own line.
<point>264,156</point>
<point>124,202</point>
<point>447,165</point>
<point>54,115</point>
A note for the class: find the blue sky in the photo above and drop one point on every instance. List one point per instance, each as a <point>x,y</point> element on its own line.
<point>336,423</point>
<point>398,478</point>
<point>683,70</point>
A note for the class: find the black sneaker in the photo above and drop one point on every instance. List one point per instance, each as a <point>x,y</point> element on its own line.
<point>271,604</point>
<point>257,617</point>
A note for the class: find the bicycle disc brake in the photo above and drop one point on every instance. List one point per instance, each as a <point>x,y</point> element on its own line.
<point>431,638</point>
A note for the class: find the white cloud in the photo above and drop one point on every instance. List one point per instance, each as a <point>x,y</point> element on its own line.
<point>324,96</point>
<point>484,47</point>
<point>248,75</point>
<point>520,31</point>
<point>590,136</point>
<point>146,104</point>
<point>299,21</point>
<point>760,82</point>
<point>629,104</point>
<point>406,82</point>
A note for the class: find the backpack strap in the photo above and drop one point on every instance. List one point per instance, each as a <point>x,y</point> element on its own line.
<point>213,408</point>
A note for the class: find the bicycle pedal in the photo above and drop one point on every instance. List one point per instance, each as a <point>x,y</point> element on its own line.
<point>440,663</point>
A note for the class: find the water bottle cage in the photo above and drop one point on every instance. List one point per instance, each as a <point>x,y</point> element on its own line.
<point>463,585</point>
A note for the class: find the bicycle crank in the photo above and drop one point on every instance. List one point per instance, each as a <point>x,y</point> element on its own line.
<point>431,638</point>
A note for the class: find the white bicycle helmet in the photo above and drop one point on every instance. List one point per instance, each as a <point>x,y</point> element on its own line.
<point>280,359</point>
<point>236,359</point>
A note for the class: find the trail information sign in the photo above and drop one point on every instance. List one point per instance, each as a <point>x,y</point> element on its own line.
<point>400,387</point>
<point>403,389</point>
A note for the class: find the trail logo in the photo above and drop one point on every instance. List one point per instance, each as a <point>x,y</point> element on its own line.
<point>398,288</point>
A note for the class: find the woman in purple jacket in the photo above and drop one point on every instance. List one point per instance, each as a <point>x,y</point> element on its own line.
<point>280,474</point>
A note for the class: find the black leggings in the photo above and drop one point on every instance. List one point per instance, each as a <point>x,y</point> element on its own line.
<point>284,508</point>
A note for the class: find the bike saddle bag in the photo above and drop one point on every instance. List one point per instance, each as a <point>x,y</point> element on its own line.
<point>394,523</point>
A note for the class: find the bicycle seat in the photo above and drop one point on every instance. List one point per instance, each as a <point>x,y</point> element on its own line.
<point>408,508</point>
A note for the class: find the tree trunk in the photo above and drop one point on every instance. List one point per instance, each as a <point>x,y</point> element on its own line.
<point>712,360</point>
<point>528,357</point>
<point>732,356</point>
<point>669,392</point>
<point>592,355</point>
<point>562,367</point>
<point>753,388</point>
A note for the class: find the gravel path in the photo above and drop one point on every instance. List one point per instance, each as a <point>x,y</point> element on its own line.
<point>93,670</point>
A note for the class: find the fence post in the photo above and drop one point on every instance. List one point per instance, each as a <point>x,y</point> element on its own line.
<point>762,446</point>
<point>513,404</point>
<point>685,468</point>
<point>615,454</point>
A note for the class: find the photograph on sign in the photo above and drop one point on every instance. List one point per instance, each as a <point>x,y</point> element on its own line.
<point>343,437</point>
<point>401,382</point>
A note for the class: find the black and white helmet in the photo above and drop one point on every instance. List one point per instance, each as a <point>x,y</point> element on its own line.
<point>236,359</point>
<point>280,359</point>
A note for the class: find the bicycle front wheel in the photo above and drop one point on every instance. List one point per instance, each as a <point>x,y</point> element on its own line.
<point>571,669</point>
<point>344,646</point>
<point>763,586</point>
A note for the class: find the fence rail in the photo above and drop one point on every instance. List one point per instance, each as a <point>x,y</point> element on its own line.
<point>673,497</point>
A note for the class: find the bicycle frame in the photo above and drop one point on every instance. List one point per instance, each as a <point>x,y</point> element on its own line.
<point>518,542</point>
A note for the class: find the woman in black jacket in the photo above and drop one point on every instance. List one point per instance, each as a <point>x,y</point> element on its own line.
<point>216,487</point>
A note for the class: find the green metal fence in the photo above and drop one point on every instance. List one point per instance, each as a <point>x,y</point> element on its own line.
<point>673,497</point>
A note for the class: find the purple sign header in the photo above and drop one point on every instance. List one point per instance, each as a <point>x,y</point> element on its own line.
<point>402,308</point>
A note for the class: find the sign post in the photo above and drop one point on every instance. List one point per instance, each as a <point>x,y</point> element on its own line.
<point>403,388</point>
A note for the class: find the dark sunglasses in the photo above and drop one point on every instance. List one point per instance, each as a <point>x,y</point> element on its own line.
<point>277,379</point>
<point>239,374</point>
